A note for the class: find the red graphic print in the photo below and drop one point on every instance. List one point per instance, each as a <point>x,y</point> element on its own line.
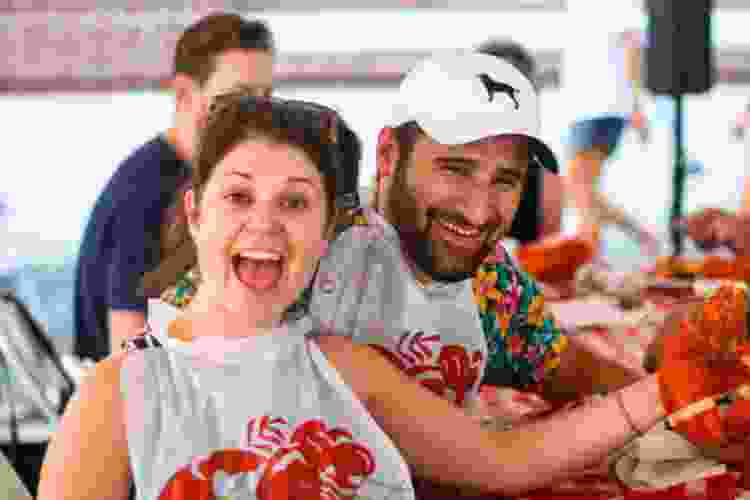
<point>447,370</point>
<point>310,461</point>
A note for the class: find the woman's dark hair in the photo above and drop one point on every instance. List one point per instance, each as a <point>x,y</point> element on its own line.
<point>318,131</point>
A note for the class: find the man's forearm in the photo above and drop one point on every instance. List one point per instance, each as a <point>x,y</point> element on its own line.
<point>611,214</point>
<point>582,373</point>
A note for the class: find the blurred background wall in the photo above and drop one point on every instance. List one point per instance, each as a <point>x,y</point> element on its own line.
<point>81,86</point>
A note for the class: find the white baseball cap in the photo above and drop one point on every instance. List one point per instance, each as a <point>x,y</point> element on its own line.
<point>460,97</point>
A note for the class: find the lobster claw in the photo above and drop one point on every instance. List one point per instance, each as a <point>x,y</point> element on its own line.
<point>709,356</point>
<point>704,430</point>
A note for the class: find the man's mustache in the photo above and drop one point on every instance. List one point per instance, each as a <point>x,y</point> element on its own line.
<point>458,219</point>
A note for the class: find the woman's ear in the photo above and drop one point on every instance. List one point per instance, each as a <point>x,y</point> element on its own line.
<point>182,92</point>
<point>386,152</point>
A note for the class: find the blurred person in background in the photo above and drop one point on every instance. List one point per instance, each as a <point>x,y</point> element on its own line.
<point>540,211</point>
<point>122,238</point>
<point>602,75</point>
<point>712,228</point>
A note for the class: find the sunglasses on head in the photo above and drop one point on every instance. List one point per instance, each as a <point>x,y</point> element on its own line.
<point>314,122</point>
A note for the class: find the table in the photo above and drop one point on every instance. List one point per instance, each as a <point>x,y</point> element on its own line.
<point>627,344</point>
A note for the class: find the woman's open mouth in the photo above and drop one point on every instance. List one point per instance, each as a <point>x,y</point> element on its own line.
<point>259,270</point>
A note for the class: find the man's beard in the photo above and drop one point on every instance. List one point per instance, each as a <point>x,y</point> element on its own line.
<point>432,256</point>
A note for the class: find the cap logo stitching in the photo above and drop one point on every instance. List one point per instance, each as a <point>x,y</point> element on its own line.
<point>493,87</point>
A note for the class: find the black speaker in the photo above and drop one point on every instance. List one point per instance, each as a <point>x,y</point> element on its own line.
<point>679,53</point>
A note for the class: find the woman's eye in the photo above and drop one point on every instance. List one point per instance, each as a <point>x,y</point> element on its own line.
<point>295,203</point>
<point>239,198</point>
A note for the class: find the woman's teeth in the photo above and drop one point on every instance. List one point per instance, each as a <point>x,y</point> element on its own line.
<point>260,255</point>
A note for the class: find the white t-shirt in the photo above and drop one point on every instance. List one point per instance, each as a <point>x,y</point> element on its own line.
<point>365,289</point>
<point>593,78</point>
<point>246,418</point>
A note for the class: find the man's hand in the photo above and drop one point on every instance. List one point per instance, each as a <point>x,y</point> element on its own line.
<point>712,227</point>
<point>703,227</point>
<point>734,232</point>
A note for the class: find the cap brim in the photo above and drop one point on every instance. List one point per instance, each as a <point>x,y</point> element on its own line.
<point>539,152</point>
<point>543,155</point>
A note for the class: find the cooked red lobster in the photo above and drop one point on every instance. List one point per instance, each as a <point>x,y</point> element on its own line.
<point>555,260</point>
<point>692,369</point>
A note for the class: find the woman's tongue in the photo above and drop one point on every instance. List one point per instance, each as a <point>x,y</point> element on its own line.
<point>258,274</point>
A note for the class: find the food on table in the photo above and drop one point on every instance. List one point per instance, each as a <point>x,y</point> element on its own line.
<point>627,288</point>
<point>710,267</point>
<point>555,260</point>
<point>691,372</point>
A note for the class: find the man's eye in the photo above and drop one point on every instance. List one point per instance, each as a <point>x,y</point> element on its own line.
<point>455,169</point>
<point>507,181</point>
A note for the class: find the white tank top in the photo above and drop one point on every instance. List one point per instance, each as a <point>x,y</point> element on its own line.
<point>264,417</point>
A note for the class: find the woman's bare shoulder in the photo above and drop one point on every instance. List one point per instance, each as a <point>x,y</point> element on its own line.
<point>104,377</point>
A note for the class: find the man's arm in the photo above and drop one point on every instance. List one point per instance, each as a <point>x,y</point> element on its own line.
<point>582,372</point>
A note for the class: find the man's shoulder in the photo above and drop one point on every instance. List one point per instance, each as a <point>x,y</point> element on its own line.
<point>155,149</point>
<point>148,159</point>
<point>366,227</point>
<point>136,182</point>
<point>138,178</point>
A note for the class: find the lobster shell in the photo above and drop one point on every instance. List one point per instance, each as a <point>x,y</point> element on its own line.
<point>710,267</point>
<point>555,260</point>
<point>718,325</point>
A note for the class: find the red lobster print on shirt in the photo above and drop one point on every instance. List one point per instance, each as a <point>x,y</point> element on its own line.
<point>447,370</point>
<point>309,462</point>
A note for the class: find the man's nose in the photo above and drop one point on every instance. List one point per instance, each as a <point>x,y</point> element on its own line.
<point>478,206</point>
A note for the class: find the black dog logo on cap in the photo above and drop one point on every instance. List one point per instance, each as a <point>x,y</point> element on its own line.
<point>493,86</point>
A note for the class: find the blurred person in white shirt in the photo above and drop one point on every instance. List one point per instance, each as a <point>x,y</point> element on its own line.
<point>601,76</point>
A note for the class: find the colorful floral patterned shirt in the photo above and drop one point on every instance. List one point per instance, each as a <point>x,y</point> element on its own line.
<point>524,341</point>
